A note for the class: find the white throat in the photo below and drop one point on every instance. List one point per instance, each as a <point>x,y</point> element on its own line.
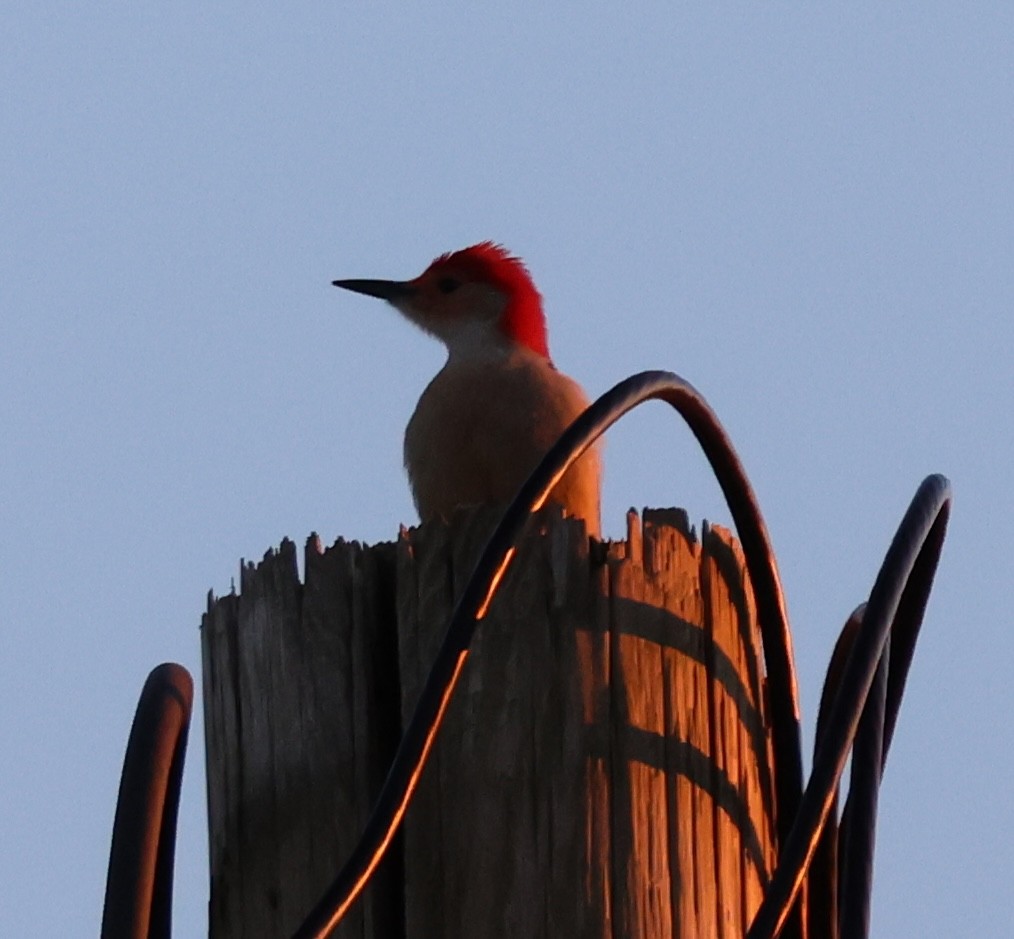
<point>476,341</point>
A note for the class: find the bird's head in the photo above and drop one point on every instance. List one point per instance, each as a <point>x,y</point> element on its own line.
<point>474,299</point>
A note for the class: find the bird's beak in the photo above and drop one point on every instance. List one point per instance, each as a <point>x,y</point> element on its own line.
<point>390,290</point>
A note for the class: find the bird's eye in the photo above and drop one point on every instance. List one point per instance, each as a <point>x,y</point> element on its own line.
<point>448,284</point>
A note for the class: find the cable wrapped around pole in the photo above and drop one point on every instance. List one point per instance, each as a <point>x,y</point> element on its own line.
<point>424,724</point>
<point>860,704</point>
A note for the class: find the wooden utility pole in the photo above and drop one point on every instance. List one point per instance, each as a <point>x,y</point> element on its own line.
<point>604,769</point>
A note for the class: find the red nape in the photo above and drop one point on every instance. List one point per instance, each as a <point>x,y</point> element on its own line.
<point>523,319</point>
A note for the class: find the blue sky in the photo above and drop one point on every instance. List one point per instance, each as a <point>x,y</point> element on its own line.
<point>806,212</point>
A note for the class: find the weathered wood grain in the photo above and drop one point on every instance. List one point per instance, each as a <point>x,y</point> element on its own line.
<point>300,723</point>
<point>604,769</point>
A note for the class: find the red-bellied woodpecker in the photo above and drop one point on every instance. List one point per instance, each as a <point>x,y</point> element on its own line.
<point>498,404</point>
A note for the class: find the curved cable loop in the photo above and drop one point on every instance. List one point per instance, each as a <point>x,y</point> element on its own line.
<point>139,883</point>
<point>899,595</point>
<point>419,736</point>
<point>859,817</point>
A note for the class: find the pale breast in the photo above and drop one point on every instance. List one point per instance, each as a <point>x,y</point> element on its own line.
<point>480,428</point>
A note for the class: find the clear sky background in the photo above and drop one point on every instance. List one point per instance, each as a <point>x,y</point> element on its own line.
<point>806,212</point>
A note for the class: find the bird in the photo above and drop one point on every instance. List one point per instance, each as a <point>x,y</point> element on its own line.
<point>498,403</point>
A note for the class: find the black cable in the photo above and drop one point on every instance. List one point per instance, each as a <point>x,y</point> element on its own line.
<point>855,870</point>
<point>859,818</point>
<point>139,883</point>
<point>908,619</point>
<point>904,577</point>
<point>762,569</point>
<point>859,706</point>
<point>822,910</point>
